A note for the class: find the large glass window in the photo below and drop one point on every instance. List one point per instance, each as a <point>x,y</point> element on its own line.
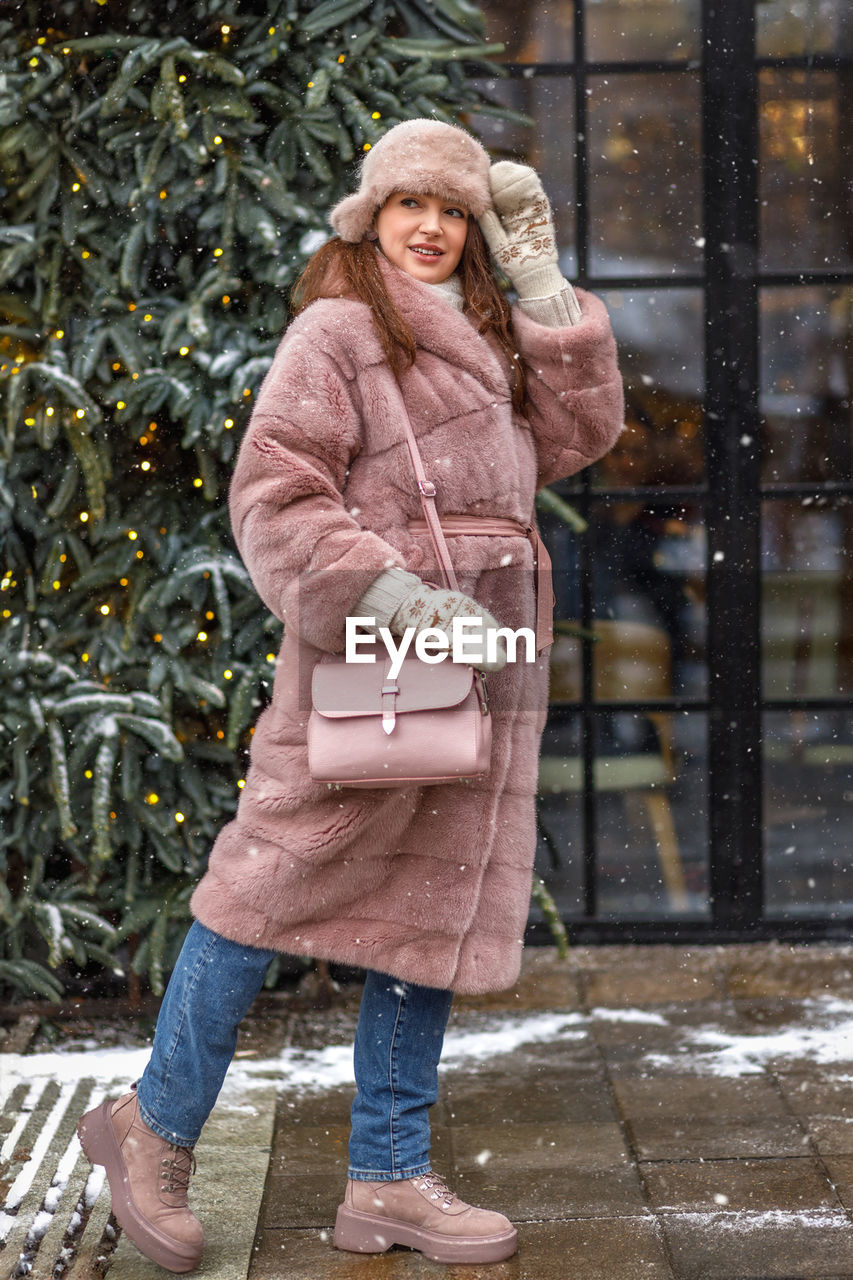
<point>698,160</point>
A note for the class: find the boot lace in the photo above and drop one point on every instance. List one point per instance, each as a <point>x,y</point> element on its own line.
<point>176,1170</point>
<point>437,1188</point>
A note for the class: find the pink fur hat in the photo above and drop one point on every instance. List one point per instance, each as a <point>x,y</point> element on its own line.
<point>422,156</point>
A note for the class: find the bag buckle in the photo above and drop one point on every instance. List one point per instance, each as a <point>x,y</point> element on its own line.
<point>427,488</point>
<point>389,713</point>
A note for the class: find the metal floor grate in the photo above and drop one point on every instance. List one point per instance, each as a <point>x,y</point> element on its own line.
<point>54,1224</point>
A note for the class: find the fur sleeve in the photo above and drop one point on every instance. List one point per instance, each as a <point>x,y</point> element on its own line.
<point>574,388</point>
<point>308,558</point>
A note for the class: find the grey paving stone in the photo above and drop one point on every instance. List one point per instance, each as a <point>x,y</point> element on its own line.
<point>759,1246</point>
<point>536,1195</point>
<point>709,1185</point>
<point>519,1147</point>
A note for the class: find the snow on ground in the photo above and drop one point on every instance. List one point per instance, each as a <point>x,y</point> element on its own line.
<point>295,1068</point>
<point>823,1036</point>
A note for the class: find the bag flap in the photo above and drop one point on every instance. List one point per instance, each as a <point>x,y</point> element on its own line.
<point>340,689</point>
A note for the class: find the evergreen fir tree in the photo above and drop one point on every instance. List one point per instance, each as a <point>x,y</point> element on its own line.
<point>165,168</point>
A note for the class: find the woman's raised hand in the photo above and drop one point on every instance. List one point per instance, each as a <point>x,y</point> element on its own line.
<point>519,231</point>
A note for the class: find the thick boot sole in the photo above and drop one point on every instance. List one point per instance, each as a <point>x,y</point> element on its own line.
<point>369,1233</point>
<point>100,1145</point>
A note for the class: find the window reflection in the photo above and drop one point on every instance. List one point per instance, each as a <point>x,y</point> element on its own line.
<point>805,165</point>
<point>652,833</point>
<point>808,759</point>
<point>805,388</point>
<point>532,32</point>
<point>812,26</point>
<point>807,601</point>
<point>642,29</point>
<point>645,180</point>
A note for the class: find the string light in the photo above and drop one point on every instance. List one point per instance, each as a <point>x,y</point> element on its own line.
<point>85,254</point>
<point>366,146</point>
<point>225,29</point>
<point>270,657</point>
<point>75,186</point>
<point>229,423</point>
<point>198,482</point>
<point>88,773</point>
<point>146,466</point>
<point>131,306</point>
<point>225,299</point>
<point>152,798</point>
<point>184,351</point>
<point>120,404</point>
<point>84,657</point>
<point>105,608</point>
<point>217,253</point>
<point>163,194</point>
<point>140,554</point>
<point>50,411</point>
<point>228,674</point>
<point>376,115</point>
<point>81,413</point>
<point>217,141</point>
<point>147,318</point>
<point>202,635</point>
<point>59,333</point>
<point>342,57</point>
<point>241,782</point>
<point>179,817</point>
<point>209,615</point>
<point>57,585</point>
<point>84,516</point>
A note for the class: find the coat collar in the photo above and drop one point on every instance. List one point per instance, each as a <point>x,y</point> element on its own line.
<point>440,329</point>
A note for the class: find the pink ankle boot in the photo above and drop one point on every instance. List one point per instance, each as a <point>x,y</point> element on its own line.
<point>425,1215</point>
<point>148,1179</point>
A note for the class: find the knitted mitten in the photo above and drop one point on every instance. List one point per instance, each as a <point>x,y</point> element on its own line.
<point>520,233</point>
<point>398,599</point>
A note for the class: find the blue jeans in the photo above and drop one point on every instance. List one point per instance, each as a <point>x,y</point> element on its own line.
<point>398,1044</point>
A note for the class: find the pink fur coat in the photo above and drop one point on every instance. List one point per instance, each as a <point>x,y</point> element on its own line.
<point>428,884</point>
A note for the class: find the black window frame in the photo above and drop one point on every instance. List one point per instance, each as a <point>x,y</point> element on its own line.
<point>731,495</point>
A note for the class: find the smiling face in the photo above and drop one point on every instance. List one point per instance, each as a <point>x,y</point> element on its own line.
<point>422,234</point>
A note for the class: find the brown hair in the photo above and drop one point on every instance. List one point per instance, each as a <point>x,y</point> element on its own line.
<point>343,267</point>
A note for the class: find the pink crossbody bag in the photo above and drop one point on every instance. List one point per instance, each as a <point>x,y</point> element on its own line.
<point>430,724</point>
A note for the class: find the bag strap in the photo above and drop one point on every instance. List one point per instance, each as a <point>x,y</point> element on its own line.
<point>426,490</point>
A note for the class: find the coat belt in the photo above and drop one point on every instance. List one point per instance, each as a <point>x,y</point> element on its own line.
<point>498,527</point>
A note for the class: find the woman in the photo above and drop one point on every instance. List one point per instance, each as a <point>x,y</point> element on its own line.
<point>426,888</point>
